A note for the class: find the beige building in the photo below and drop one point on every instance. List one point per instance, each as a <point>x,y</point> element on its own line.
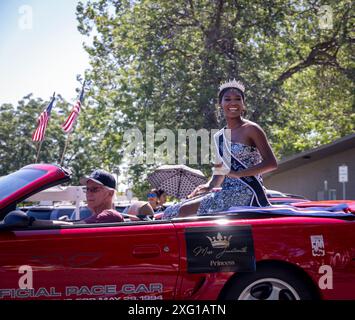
<point>314,174</point>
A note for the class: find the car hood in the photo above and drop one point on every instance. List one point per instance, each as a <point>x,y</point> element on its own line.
<point>27,181</point>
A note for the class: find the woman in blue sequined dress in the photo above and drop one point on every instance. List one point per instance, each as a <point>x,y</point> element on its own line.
<point>242,140</point>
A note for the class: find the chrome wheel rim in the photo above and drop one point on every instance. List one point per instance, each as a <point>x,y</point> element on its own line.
<point>269,289</point>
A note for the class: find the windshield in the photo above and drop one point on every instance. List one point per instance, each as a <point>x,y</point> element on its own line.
<point>17,180</point>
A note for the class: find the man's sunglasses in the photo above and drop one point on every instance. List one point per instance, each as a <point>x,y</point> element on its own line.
<point>151,195</point>
<point>93,189</point>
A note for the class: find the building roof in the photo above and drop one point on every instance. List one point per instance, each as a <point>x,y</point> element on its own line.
<point>299,159</point>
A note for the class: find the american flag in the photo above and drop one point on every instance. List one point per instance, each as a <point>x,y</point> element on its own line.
<point>69,123</point>
<point>38,135</point>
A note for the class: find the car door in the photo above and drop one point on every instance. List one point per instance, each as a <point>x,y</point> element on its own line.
<point>138,261</point>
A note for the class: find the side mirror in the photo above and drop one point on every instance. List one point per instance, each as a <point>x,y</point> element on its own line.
<point>18,219</point>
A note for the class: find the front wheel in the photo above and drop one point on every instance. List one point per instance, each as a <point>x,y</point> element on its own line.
<point>270,283</point>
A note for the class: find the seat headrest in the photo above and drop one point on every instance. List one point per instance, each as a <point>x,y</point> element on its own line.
<point>140,208</point>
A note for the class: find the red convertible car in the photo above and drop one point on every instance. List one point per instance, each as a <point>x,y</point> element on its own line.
<point>246,253</point>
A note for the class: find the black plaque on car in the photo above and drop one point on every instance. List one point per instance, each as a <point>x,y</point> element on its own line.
<point>220,249</point>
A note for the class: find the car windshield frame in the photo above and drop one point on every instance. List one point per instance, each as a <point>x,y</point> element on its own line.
<point>18,180</point>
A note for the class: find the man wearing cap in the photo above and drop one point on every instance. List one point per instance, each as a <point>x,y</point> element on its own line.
<point>100,192</point>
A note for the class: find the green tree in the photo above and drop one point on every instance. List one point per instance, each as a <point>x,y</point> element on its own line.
<point>163,61</point>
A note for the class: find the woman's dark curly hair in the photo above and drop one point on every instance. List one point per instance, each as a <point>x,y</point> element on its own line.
<point>158,192</point>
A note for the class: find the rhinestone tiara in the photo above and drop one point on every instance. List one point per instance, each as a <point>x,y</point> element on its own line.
<point>232,84</point>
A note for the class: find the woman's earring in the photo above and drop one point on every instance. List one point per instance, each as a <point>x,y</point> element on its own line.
<point>220,114</point>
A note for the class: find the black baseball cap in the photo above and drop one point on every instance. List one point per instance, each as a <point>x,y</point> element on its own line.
<point>102,177</point>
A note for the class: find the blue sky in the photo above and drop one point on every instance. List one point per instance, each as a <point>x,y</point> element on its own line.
<point>41,57</point>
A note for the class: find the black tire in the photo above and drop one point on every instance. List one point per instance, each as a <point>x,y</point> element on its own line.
<point>270,283</point>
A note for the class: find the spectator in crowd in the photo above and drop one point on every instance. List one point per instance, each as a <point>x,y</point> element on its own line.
<point>157,198</point>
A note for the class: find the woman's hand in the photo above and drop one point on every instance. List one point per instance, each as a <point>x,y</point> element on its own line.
<point>202,188</point>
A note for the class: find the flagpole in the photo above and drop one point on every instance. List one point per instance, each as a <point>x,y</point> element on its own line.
<point>39,149</point>
<point>70,122</point>
<point>65,147</point>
